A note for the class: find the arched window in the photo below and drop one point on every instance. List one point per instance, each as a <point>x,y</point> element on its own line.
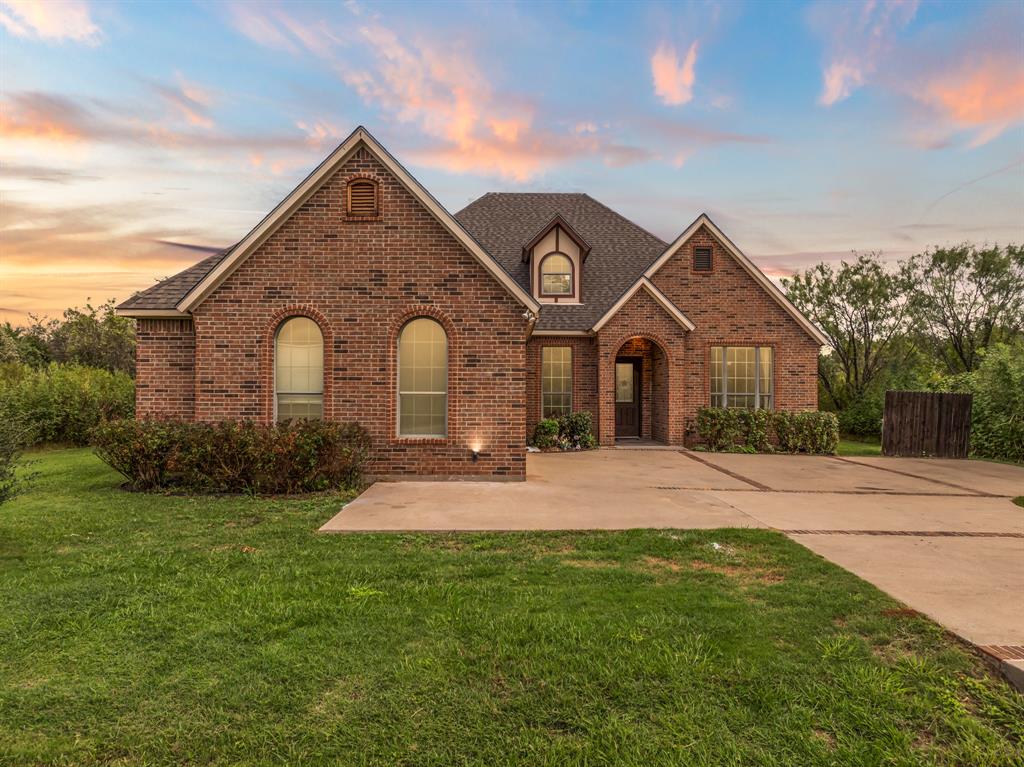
<point>556,275</point>
<point>299,369</point>
<point>422,379</point>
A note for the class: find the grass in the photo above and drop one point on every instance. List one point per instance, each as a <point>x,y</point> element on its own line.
<point>1019,500</point>
<point>169,630</point>
<point>851,446</point>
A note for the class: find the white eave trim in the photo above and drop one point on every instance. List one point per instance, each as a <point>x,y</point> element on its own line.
<point>153,314</point>
<point>656,294</point>
<point>751,268</point>
<point>305,190</point>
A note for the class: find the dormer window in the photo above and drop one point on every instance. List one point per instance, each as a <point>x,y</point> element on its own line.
<point>556,255</point>
<point>362,198</point>
<point>556,275</point>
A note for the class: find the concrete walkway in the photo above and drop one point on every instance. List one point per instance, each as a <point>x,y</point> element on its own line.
<point>941,536</point>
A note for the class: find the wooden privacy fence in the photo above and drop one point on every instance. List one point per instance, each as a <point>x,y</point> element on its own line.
<point>926,423</point>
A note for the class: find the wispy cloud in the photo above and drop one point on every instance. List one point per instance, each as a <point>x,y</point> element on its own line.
<point>52,118</point>
<point>857,37</point>
<point>465,123</point>
<point>53,20</point>
<point>673,81</point>
<point>190,100</point>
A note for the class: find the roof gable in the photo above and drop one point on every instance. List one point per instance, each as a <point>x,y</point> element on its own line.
<point>749,266</point>
<point>645,284</point>
<point>360,137</point>
<point>566,227</point>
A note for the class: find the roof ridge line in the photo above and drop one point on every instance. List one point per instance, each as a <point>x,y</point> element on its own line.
<point>627,220</point>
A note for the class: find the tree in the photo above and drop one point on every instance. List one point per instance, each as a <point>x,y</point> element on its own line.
<point>967,298</point>
<point>97,337</point>
<point>861,307</point>
<point>22,345</point>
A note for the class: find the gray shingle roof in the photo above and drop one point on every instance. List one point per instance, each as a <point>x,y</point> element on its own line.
<point>167,293</point>
<point>502,222</point>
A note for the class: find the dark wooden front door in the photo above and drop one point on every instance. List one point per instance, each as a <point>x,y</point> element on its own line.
<point>627,397</point>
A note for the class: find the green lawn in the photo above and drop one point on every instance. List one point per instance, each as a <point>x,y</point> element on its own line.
<point>848,446</point>
<point>167,630</point>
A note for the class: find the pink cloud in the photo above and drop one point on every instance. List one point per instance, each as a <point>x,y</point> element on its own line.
<point>858,36</point>
<point>55,20</point>
<point>673,82</point>
<point>189,100</point>
<point>985,95</point>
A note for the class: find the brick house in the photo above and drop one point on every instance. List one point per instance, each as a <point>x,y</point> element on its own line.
<point>360,298</point>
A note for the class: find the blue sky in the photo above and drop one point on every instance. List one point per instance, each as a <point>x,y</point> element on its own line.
<point>133,134</point>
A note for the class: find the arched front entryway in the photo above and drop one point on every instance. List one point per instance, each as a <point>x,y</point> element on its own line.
<point>640,398</point>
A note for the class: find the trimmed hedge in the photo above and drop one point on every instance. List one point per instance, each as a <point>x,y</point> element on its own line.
<point>233,456</point>
<point>767,431</point>
<point>63,403</point>
<point>573,431</point>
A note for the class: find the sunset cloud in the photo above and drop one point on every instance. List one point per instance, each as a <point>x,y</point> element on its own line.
<point>51,118</point>
<point>188,99</point>
<point>53,20</point>
<point>673,82</point>
<point>857,37</point>
<point>984,95</point>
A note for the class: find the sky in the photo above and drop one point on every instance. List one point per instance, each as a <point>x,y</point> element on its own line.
<point>136,137</point>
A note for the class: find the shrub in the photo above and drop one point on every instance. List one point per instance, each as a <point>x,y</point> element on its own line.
<point>575,431</point>
<point>545,433</point>
<point>234,457</point>
<point>863,417</point>
<point>63,403</point>
<point>718,428</point>
<point>813,431</point>
<point>756,430</point>
<point>572,431</point>
<point>12,440</point>
<point>997,411</point>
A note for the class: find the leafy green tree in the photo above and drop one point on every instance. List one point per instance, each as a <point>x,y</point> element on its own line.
<point>93,336</point>
<point>862,308</point>
<point>966,299</point>
<point>23,345</point>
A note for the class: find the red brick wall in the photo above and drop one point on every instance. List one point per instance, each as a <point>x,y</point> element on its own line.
<point>361,281</point>
<point>164,369</point>
<point>584,374</point>
<point>730,308</point>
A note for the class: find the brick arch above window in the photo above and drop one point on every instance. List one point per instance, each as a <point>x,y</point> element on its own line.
<point>454,430</point>
<point>266,357</point>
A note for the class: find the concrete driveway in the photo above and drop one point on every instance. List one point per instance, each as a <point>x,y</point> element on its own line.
<point>941,536</point>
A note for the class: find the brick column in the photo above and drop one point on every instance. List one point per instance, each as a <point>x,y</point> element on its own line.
<point>606,393</point>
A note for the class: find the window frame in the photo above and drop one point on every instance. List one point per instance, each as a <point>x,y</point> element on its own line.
<point>572,380</point>
<point>572,276</point>
<point>721,399</point>
<point>323,378</point>
<point>398,382</point>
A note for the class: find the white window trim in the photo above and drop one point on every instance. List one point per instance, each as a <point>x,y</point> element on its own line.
<point>724,394</point>
<point>398,383</point>
<point>572,375</point>
<point>323,372</point>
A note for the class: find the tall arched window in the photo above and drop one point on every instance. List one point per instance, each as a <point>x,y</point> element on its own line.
<point>299,369</point>
<point>422,379</point>
<point>556,275</point>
